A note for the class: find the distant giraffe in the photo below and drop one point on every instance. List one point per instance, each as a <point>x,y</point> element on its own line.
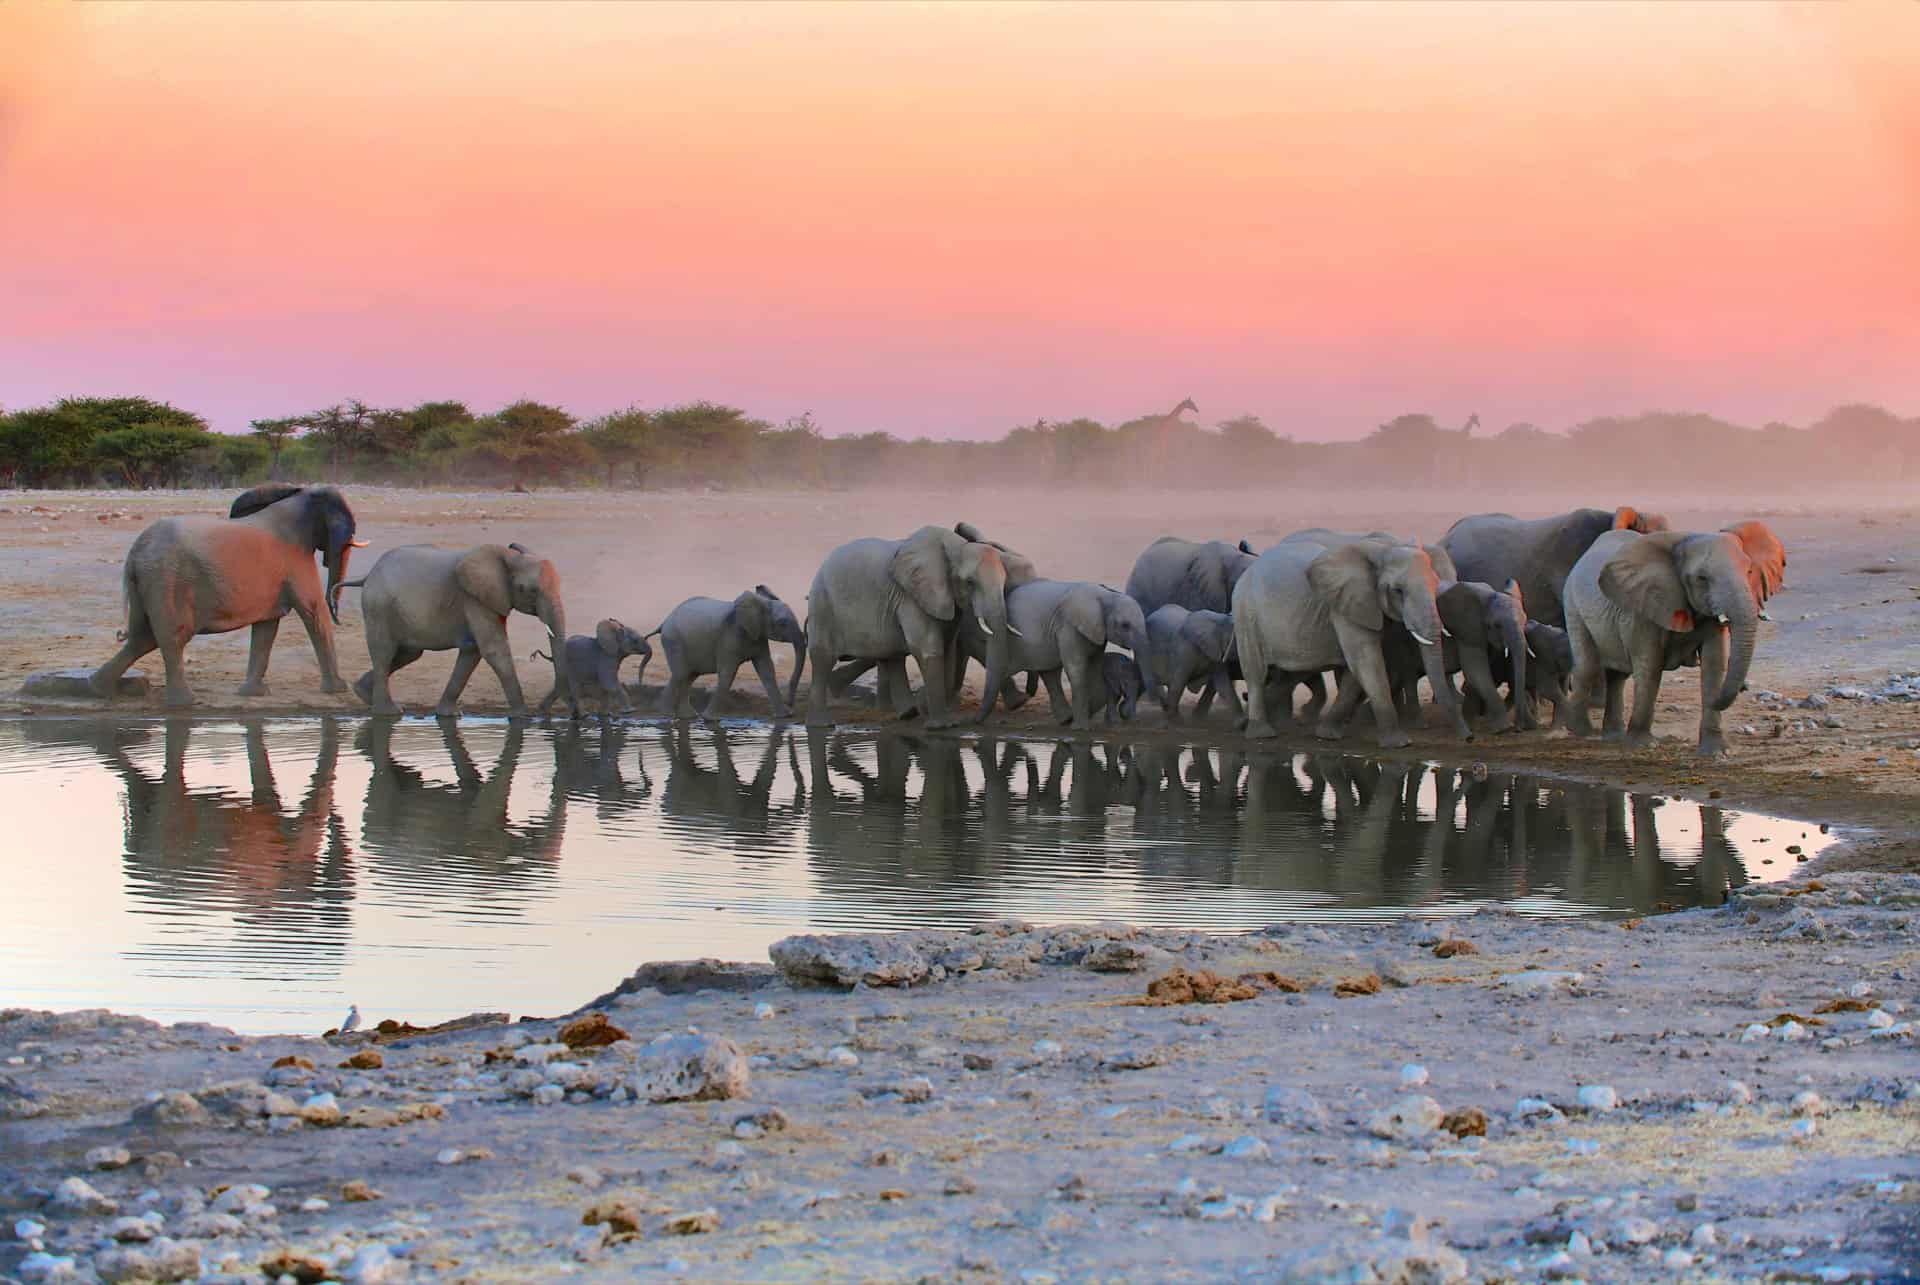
<point>1160,438</point>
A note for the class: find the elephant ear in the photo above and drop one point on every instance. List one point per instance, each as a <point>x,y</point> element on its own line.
<point>1205,581</point>
<point>482,576</point>
<point>1210,633</point>
<point>1462,611</point>
<point>1643,579</point>
<point>922,569</point>
<point>1247,549</point>
<point>1765,553</point>
<point>1628,518</point>
<point>1346,578</point>
<point>1019,567</point>
<point>606,635</point>
<point>260,497</point>
<point>1087,614</point>
<point>1512,589</point>
<point>750,616</point>
<point>765,592</point>
<point>1442,562</point>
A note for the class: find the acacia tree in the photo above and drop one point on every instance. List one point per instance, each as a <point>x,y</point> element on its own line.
<point>528,438</point>
<point>624,440</point>
<point>276,433</point>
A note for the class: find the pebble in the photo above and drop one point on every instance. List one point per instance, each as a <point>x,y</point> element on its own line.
<point>1246,1147</point>
<point>1807,1102</point>
<point>763,1010</point>
<point>1755,1031</point>
<point>841,1055</point>
<point>1860,990</point>
<point>1597,1097</point>
<point>1267,1208</point>
<point>1704,1237</point>
<point>1295,1107</point>
<point>450,1156</point>
<point>1790,1031</point>
<point>128,1230</point>
<point>1578,1244</point>
<point>1537,1109</point>
<point>697,1222</point>
<point>1412,1075</point>
<point>41,1266</point>
<point>78,1196</point>
<point>161,1260</point>
<point>1736,1093</point>
<point>315,1205</point>
<point>1676,1260</point>
<point>1802,1130</point>
<point>1047,1048</point>
<point>372,1265</point>
<point>1636,1231</point>
<point>1879,1019</point>
<point>241,1198</point>
<point>108,1158</point>
<point>548,1094</point>
<point>1188,1142</point>
<point>321,1109</point>
<point>1410,1118</point>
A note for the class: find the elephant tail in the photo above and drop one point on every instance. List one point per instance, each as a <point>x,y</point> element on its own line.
<point>537,654</point>
<point>655,632</point>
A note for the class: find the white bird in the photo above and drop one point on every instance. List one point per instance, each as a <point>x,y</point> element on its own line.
<point>352,1022</point>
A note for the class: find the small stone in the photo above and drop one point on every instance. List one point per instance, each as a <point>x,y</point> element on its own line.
<point>762,1011</point>
<point>450,1156</point>
<point>1406,1224</point>
<point>757,1124</point>
<point>1117,957</point>
<point>960,1185</point>
<point>1636,1231</point>
<point>1754,1032</point>
<point>1807,1103</point>
<point>1192,1142</point>
<point>364,1060</point>
<point>1537,1110</point>
<point>976,1061</point>
<point>1736,1093</point>
<point>1465,1122</point>
<point>28,1229</point>
<point>1295,1107</point>
<point>619,1217</point>
<point>1047,1048</point>
<point>1412,1075</point>
<point>1408,1119</point>
<point>1455,946</point>
<point>1859,990</point>
<point>162,1260</point>
<point>174,1110</point>
<point>842,1056</point>
<point>697,1223</point>
<point>78,1196</point>
<point>1790,1031</point>
<point>547,1095</point>
<point>372,1265</point>
<point>1133,1058</point>
<point>592,1031</point>
<point>1246,1147</point>
<point>1879,1019</point>
<point>292,1061</point>
<point>1676,1260</point>
<point>1541,981</point>
<point>1598,1098</point>
<point>315,1205</point>
<point>130,1230</point>
<point>104,1158</point>
<point>241,1198</point>
<point>321,1109</point>
<point>918,1089</point>
<point>691,1068</point>
<point>40,1266</point>
<point>356,1191</point>
<point>1802,1130</point>
<point>1704,1237</point>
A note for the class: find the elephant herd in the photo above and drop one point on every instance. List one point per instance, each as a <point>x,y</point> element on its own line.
<point>1548,608</point>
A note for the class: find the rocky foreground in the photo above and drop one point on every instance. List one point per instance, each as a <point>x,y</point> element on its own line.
<point>1727,1094</point>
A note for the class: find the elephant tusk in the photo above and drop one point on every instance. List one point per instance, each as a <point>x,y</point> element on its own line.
<point>1531,652</point>
<point>1445,632</point>
<point>1721,618</point>
<point>1424,642</point>
<point>985,628</point>
<point>1765,616</point>
<point>1015,632</point>
<point>357,544</point>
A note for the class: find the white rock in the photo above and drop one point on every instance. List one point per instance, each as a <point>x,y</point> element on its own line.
<point>1636,1231</point>
<point>1802,1130</point>
<point>1578,1245</point>
<point>541,1054</point>
<point>1704,1237</point>
<point>1597,1097</point>
<point>547,1095</point>
<point>1676,1260</point>
<point>450,1156</point>
<point>28,1229</point>
<point>763,1010</point>
<point>1267,1208</point>
<point>1412,1075</point>
<point>1807,1102</point>
<point>1879,1019</point>
<point>108,1158</point>
<point>1537,1109</point>
<point>1189,1142</point>
<point>692,1068</point>
<point>78,1196</point>
<point>372,1265</point>
<point>1790,1031</point>
<point>1860,990</point>
<point>49,1268</point>
<point>1541,981</point>
<point>1047,1048</point>
<point>314,1205</point>
<point>1736,1092</point>
<point>1246,1147</point>
<point>1755,1031</point>
<point>1412,1117</point>
<point>240,1198</point>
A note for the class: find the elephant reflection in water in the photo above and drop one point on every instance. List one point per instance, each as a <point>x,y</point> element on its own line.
<point>283,873</point>
<point>715,799</point>
<point>461,833</point>
<point>1614,855</point>
<point>587,767</point>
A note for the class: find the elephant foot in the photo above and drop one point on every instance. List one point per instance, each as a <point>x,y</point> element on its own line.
<point>258,689</point>
<point>97,684</point>
<point>1260,729</point>
<point>332,686</point>
<point>942,724</point>
<point>781,713</point>
<point>1571,727</point>
<point>1612,733</point>
<point>1638,740</point>
<point>1461,731</point>
<point>1712,747</point>
<point>363,688</point>
<point>1396,740</point>
<point>444,710</point>
<point>908,715</point>
<point>518,714</point>
<point>178,698</point>
<point>1328,732</point>
<point>819,718</point>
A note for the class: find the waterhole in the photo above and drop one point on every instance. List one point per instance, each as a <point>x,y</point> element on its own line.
<point>264,874</point>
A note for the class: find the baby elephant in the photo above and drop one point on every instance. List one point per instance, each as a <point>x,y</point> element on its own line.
<point>1549,671</point>
<point>593,667</point>
<point>1192,651</point>
<point>1121,685</point>
<point>712,636</point>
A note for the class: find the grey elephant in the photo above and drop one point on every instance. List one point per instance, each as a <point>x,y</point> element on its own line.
<point>1066,626</point>
<point>1482,624</point>
<point>1304,607</point>
<point>1549,669</point>
<point>1191,651</point>
<point>593,668</point>
<point>204,575</point>
<point>712,636</point>
<point>419,599</point>
<point>1643,604</point>
<point>1538,553</point>
<point>885,600</point>
<point>1196,574</point>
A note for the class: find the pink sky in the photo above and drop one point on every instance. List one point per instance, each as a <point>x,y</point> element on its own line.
<point>947,219</point>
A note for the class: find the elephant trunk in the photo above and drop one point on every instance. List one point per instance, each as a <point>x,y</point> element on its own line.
<point>1742,625</point>
<point>1143,657</point>
<point>990,605</point>
<point>1513,636</point>
<point>1423,621</point>
<point>337,553</point>
<point>799,666</point>
<point>554,617</point>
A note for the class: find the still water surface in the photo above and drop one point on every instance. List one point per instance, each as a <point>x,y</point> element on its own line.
<point>266,873</point>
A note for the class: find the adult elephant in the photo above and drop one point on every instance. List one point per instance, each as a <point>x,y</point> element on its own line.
<point>1486,632</point>
<point>203,575</point>
<point>1197,575</point>
<point>1537,553</point>
<point>1064,626</point>
<point>1642,604</point>
<point>884,600</point>
<point>419,599</point>
<point>712,636</point>
<point>1303,607</point>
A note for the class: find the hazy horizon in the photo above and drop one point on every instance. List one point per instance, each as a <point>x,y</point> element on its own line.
<point>948,220</point>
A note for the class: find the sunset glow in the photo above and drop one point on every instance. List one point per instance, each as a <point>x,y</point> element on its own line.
<point>947,219</point>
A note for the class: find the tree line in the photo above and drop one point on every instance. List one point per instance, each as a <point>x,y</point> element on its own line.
<point>139,443</point>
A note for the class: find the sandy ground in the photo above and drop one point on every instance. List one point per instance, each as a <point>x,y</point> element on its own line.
<point>1022,1119</point>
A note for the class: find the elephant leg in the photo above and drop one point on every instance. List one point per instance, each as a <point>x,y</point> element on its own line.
<point>1085,681</point>
<point>1371,667</point>
<point>1713,672</point>
<point>1480,686</point>
<point>465,661</point>
<point>499,658</point>
<point>820,660</point>
<point>1333,720</point>
<point>319,625</point>
<point>724,673</point>
<point>375,685</point>
<point>1577,714</point>
<point>1057,696</point>
<point>1647,666</point>
<point>679,698</point>
<point>1221,682</point>
<point>1613,722</point>
<point>173,647</point>
<point>763,666</point>
<point>139,642</point>
<point>259,651</point>
<point>1316,685</point>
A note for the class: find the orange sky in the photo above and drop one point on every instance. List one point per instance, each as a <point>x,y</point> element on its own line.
<point>950,218</point>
